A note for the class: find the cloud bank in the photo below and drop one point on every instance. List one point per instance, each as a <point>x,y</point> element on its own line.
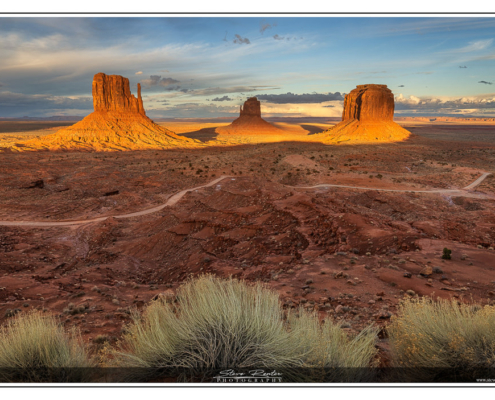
<point>300,98</point>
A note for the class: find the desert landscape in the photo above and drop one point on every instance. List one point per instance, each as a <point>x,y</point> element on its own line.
<point>345,219</point>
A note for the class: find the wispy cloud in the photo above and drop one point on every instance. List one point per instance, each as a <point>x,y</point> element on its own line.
<point>224,98</point>
<point>264,26</point>
<point>431,25</point>
<point>474,46</point>
<point>240,40</point>
<point>157,80</point>
<point>486,83</point>
<point>230,89</point>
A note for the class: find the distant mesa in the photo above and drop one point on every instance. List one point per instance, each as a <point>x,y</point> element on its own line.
<point>250,122</point>
<point>368,116</point>
<point>119,122</point>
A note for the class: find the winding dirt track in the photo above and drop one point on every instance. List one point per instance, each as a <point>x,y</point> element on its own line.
<point>176,197</point>
<point>170,202</point>
<point>460,192</point>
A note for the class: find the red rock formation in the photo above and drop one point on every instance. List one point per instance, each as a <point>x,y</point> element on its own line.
<point>252,107</point>
<point>250,122</point>
<point>119,122</point>
<point>369,103</point>
<point>112,93</point>
<point>367,117</point>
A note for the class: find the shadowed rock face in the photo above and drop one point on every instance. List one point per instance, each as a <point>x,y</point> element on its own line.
<point>252,107</point>
<point>119,122</point>
<point>368,116</point>
<point>112,93</point>
<point>369,103</point>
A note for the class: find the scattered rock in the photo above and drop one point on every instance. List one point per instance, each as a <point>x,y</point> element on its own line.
<point>112,193</point>
<point>426,271</point>
<point>38,183</point>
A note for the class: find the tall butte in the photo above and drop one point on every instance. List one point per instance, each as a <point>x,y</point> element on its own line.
<point>119,122</point>
<point>368,116</point>
<point>250,122</point>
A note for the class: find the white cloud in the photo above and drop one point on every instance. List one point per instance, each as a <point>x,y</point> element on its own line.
<point>474,105</point>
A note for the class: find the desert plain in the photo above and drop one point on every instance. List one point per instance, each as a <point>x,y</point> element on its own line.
<point>347,230</point>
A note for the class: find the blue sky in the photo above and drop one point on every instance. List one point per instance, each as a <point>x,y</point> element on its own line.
<point>206,67</point>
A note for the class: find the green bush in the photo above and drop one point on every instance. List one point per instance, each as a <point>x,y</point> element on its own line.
<point>35,348</point>
<point>446,254</point>
<point>429,336</point>
<point>227,324</point>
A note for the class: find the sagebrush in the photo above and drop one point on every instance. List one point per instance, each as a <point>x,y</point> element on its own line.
<point>34,347</point>
<point>428,336</point>
<point>221,324</point>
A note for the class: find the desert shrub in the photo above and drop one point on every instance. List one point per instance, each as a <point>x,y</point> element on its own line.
<point>35,348</point>
<point>446,254</point>
<point>430,339</point>
<point>227,324</point>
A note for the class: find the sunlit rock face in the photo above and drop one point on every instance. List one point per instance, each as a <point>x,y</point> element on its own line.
<point>112,93</point>
<point>367,117</point>
<point>369,103</point>
<point>119,122</point>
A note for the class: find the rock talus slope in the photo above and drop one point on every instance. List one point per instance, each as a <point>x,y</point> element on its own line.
<point>367,117</point>
<point>119,122</point>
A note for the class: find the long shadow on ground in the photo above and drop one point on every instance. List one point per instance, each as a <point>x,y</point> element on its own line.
<point>204,135</point>
<point>312,128</point>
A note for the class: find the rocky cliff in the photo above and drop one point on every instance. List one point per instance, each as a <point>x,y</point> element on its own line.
<point>367,117</point>
<point>112,93</point>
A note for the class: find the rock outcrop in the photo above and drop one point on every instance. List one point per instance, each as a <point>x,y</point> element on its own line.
<point>367,117</point>
<point>250,122</point>
<point>112,93</point>
<point>119,122</point>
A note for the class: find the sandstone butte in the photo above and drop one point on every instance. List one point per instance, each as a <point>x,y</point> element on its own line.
<point>119,122</point>
<point>368,116</point>
<point>250,122</point>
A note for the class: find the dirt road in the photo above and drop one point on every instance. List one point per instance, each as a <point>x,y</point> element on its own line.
<point>176,197</point>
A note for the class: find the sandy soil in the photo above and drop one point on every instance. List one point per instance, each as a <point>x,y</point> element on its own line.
<point>349,253</point>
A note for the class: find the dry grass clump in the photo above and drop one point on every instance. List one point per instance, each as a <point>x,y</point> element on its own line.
<point>35,348</point>
<point>329,353</point>
<point>227,324</point>
<point>429,337</point>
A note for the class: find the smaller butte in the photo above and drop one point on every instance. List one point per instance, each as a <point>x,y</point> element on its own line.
<point>119,122</point>
<point>250,122</point>
<point>368,117</point>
